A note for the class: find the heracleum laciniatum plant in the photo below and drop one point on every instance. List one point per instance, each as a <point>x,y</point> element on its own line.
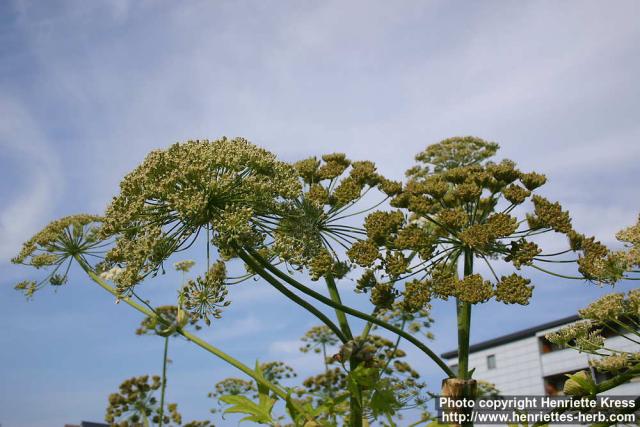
<point>286,222</point>
<point>458,209</point>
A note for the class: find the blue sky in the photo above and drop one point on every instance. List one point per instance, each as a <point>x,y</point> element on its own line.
<point>88,88</point>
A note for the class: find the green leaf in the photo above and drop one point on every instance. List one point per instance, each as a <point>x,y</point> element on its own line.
<point>365,377</point>
<point>257,412</point>
<point>383,401</point>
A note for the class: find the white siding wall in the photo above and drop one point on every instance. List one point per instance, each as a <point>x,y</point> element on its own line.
<point>521,368</point>
<point>517,367</point>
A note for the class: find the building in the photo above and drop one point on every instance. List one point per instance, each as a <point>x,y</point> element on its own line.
<point>87,424</point>
<point>525,363</point>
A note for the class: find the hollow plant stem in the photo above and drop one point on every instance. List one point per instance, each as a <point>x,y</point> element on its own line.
<point>335,297</point>
<point>355,404</point>
<point>463,311</point>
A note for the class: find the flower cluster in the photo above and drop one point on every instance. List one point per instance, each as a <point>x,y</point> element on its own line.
<point>310,229</point>
<point>608,307</point>
<point>167,321</point>
<point>452,153</point>
<point>317,338</point>
<point>227,186</point>
<point>205,296</point>
<point>597,262</point>
<point>630,236</point>
<point>613,313</point>
<point>276,371</point>
<point>54,248</point>
<point>135,405</point>
<point>458,202</point>
<point>514,289</point>
<point>273,372</point>
<point>184,265</point>
<point>615,363</point>
<point>569,334</point>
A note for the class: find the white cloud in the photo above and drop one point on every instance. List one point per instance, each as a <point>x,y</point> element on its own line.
<point>33,187</point>
<point>286,347</point>
<point>236,328</point>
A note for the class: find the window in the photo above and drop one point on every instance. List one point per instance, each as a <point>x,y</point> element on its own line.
<point>547,346</point>
<point>491,361</point>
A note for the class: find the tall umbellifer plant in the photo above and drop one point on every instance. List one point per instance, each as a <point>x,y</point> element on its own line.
<point>233,200</point>
<point>225,190</point>
<point>290,222</point>
<point>459,210</point>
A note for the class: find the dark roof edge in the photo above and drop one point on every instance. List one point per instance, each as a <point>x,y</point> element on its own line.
<point>514,336</point>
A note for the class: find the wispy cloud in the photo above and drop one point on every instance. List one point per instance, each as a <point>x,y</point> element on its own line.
<point>89,88</point>
<point>37,184</point>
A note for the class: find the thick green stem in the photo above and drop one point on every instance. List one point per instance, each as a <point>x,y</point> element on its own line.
<point>193,338</point>
<point>348,310</point>
<point>295,298</point>
<point>366,330</point>
<point>164,380</point>
<point>355,411</point>
<point>463,310</point>
<point>335,296</point>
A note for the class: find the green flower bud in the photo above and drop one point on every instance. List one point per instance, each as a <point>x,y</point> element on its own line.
<point>514,289</point>
<point>364,253</point>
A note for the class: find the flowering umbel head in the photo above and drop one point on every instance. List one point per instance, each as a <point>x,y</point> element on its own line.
<point>135,404</point>
<point>461,204</point>
<point>167,320</point>
<point>613,314</point>
<point>228,186</point>
<point>54,248</point>
<point>311,230</point>
<point>205,297</point>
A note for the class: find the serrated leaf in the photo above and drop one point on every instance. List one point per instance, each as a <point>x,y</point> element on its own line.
<point>257,412</point>
<point>365,377</point>
<point>383,402</point>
